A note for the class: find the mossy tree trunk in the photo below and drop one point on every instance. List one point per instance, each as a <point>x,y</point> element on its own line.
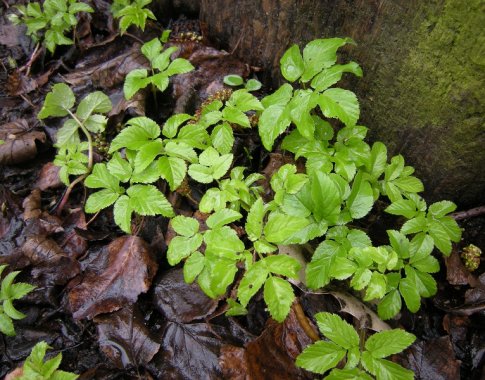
<point>423,90</point>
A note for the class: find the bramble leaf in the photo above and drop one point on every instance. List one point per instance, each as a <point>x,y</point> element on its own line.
<point>278,295</point>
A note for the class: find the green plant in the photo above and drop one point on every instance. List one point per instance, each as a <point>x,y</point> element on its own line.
<point>236,81</point>
<point>88,118</point>
<point>50,22</point>
<point>36,368</point>
<point>131,13</point>
<point>359,357</point>
<point>8,293</point>
<point>162,68</point>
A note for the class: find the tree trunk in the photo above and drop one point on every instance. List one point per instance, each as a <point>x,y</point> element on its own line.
<point>424,67</point>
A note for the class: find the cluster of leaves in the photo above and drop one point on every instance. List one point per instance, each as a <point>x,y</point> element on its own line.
<point>71,156</point>
<point>131,12</point>
<point>344,343</point>
<point>51,21</point>
<point>36,368</point>
<point>236,81</point>
<point>162,68</point>
<point>8,293</point>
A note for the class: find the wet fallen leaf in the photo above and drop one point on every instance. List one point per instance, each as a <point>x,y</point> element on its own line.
<point>456,272</point>
<point>49,177</point>
<point>20,143</point>
<point>113,279</point>
<point>179,301</point>
<point>31,205</point>
<point>124,338</point>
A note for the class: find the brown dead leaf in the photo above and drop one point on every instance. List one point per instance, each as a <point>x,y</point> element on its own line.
<point>31,205</point>
<point>49,177</point>
<point>456,272</point>
<point>113,279</point>
<point>179,301</point>
<point>124,338</point>
<point>20,143</point>
<point>272,355</point>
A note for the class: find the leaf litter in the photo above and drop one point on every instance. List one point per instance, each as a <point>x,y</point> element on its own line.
<point>110,303</point>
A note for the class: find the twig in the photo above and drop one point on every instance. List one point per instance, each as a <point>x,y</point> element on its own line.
<point>31,60</point>
<point>472,213</point>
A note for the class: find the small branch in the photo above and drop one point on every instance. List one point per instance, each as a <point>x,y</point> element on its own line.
<point>31,60</point>
<point>472,213</point>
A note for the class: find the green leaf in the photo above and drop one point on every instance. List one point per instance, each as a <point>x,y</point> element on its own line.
<point>68,133</point>
<point>122,213</point>
<point>100,200</point>
<point>213,199</point>
<point>179,66</point>
<point>440,237</point>
<point>410,293</point>
<point>201,173</point>
<point>390,342</point>
<point>361,199</point>
<point>253,85</point>
<point>234,308</point>
<point>101,178</point>
<point>348,374</point>
<point>291,64</point>
<point>173,123</point>
<point>414,225</point>
<point>326,196</point>
<point>140,131</point>
<point>233,80</point>
<point>181,150</point>
<point>173,170</point>
<point>280,97</point>
<point>6,325</point>
<point>262,246</point>
<point>162,61</point>
<point>320,54</point>
<point>279,227</point>
<point>233,115</point>
<point>222,138</point>
<point>222,217</point>
<point>244,101</point>
<point>332,75</point>
<point>278,295</point>
<point>337,330</point>
<point>283,265</point>
<point>96,123</point>
<point>361,278</point>
<point>193,266</point>
<point>57,102</point>
<point>80,7</point>
<point>451,227</point>
<point>223,242</point>
<point>184,225</point>
<point>222,165</point>
<point>440,209</point>
<point>160,81</point>
<point>254,221</point>
<point>151,49</point>
<point>273,121</point>
<point>147,154</point>
<point>148,200</point>
<point>318,271</point>
<point>410,184</point>
<point>385,369</point>
<point>181,247</point>
<point>216,276</point>
<point>252,281</point>
<point>96,102</point>
<point>404,207</point>
<point>378,159</point>
<point>389,305</point>
<point>320,357</point>
<point>376,289</point>
<point>340,104</point>
<point>11,311</point>
<point>119,167</point>
<point>135,81</point>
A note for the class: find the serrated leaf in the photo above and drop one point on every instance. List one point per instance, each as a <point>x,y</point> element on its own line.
<point>390,342</point>
<point>119,167</point>
<point>222,217</point>
<point>151,49</point>
<point>376,288</point>
<point>235,116</point>
<point>201,173</point>
<point>235,309</point>
<point>254,221</point>
<point>184,225</point>
<point>160,81</point>
<point>140,131</point>
<point>278,295</point>
<point>213,200</point>
<point>11,311</point>
<point>57,102</point>
<point>404,207</point>
<point>262,246</point>
<point>148,200</point>
<point>325,195</point>
<point>410,293</point>
<point>193,266</point>
<point>135,81</point>
<point>173,123</point>
<point>318,271</point>
<point>223,242</point>
<point>280,97</point>
<point>361,278</point>
<point>162,61</point>
<point>337,330</point>
<point>361,199</point>
<point>332,75</point>
<point>179,66</point>
<point>222,165</point>
<point>279,227</point>
<point>68,133</point>
<point>96,102</point>
<point>252,281</point>
<point>414,225</point>
<point>216,276</point>
<point>222,138</point>
<point>100,200</point>
<point>440,237</point>
<point>340,104</point>
<point>181,150</point>
<point>6,325</point>
<point>273,121</point>
<point>320,357</point>
<point>147,154</point>
<point>181,247</point>
<point>96,123</point>
<point>244,101</point>
<point>320,54</point>
<point>283,265</point>
<point>385,369</point>
<point>348,374</point>
<point>173,170</point>
<point>390,305</point>
<point>122,213</point>
<point>410,184</point>
<point>291,64</point>
<point>451,227</point>
<point>101,178</point>
<point>80,7</point>
<point>440,209</point>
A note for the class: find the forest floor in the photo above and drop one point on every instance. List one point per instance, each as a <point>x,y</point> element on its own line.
<point>172,331</point>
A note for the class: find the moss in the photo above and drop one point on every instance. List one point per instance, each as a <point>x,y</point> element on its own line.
<point>433,109</point>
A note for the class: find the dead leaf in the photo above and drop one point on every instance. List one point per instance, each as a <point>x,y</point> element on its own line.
<point>179,301</point>
<point>124,338</point>
<point>456,272</point>
<point>31,205</point>
<point>49,177</point>
<point>20,143</point>
<point>114,279</point>
<point>233,363</point>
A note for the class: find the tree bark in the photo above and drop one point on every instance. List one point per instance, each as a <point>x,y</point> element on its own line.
<point>422,93</point>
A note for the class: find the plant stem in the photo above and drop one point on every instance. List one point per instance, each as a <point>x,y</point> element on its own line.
<point>90,163</point>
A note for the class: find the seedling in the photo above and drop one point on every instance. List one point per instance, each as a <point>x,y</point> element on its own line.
<point>8,293</point>
<point>360,358</point>
<point>49,23</point>
<point>132,13</point>
<point>162,68</point>
<point>36,368</point>
<point>236,81</point>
